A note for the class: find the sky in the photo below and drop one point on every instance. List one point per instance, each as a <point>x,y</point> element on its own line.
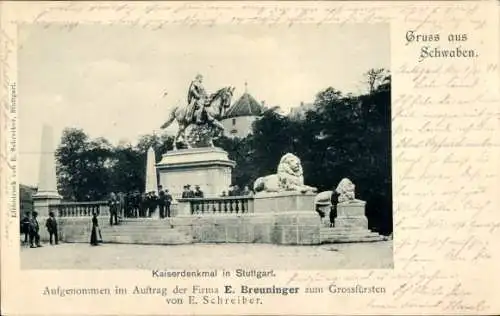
<point>110,81</point>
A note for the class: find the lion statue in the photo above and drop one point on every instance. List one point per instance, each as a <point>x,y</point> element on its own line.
<point>289,177</point>
<point>346,191</point>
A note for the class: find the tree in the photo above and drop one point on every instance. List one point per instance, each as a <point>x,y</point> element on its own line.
<point>241,151</point>
<point>82,166</point>
<point>273,136</point>
<point>375,77</point>
<point>69,163</point>
<point>160,143</point>
<point>125,171</point>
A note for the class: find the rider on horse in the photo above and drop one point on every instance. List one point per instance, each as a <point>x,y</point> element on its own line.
<point>196,100</point>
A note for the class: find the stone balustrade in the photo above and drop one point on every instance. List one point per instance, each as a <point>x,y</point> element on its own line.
<point>218,205</point>
<point>80,209</point>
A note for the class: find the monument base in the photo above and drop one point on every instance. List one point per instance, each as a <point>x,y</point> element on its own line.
<point>351,225</point>
<point>42,200</point>
<point>287,201</point>
<point>208,167</point>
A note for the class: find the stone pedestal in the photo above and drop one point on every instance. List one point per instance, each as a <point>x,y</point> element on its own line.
<point>294,218</point>
<point>42,201</point>
<point>208,167</point>
<point>351,225</point>
<point>351,214</point>
<point>288,201</point>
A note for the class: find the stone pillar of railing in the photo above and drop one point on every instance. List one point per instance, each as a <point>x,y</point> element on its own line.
<point>47,183</point>
<point>183,208</point>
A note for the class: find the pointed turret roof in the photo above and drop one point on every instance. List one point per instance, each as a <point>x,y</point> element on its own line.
<point>245,106</point>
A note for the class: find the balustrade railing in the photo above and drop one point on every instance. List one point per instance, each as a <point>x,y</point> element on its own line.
<point>80,209</point>
<point>220,205</point>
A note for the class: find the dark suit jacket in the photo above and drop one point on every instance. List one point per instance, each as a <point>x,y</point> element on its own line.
<point>51,224</point>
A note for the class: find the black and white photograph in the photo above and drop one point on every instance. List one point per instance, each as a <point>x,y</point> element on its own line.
<point>187,147</point>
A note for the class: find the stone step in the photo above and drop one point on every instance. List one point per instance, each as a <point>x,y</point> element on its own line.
<point>128,233</point>
<point>149,239</point>
<point>173,237</point>
<point>349,233</point>
<point>348,239</point>
<point>339,237</point>
<point>139,231</point>
<point>360,238</point>
<point>364,239</point>
<point>146,222</point>
<point>345,230</point>
<point>342,230</point>
<point>139,228</point>
<point>143,229</point>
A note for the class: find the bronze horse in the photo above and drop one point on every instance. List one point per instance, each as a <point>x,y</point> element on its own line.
<point>215,107</point>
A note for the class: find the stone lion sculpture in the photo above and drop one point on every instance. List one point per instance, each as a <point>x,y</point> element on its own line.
<point>346,191</point>
<point>289,177</point>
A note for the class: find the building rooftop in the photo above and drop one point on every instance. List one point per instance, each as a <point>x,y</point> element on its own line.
<point>246,105</point>
<point>299,112</point>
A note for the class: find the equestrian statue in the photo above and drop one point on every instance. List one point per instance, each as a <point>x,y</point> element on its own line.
<point>202,114</point>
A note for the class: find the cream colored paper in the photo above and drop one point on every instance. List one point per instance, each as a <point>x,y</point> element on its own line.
<point>446,163</point>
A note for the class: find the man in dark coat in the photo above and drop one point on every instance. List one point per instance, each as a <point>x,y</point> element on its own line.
<point>198,193</point>
<point>34,231</point>
<point>333,211</point>
<point>114,204</point>
<point>168,202</point>
<point>236,190</point>
<point>121,204</point>
<point>51,225</point>
<point>25,227</point>
<point>144,205</point>
<point>247,191</point>
<point>161,201</point>
<point>185,192</point>
<point>152,203</point>
<point>137,202</point>
<point>190,192</point>
<point>128,204</point>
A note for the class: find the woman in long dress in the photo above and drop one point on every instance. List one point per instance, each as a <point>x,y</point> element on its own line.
<point>95,231</point>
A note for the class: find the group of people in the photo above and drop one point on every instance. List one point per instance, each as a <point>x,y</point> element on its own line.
<point>123,205</point>
<point>31,229</point>
<point>235,190</point>
<point>139,205</point>
<point>189,193</point>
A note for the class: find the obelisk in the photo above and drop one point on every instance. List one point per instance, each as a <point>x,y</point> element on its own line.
<point>151,179</point>
<point>47,182</point>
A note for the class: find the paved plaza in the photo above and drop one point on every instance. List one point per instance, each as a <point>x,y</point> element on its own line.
<point>376,255</point>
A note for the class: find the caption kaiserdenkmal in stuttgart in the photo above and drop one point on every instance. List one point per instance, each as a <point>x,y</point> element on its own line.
<point>230,152</point>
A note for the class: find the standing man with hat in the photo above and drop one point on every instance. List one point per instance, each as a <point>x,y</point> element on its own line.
<point>168,202</point>
<point>190,192</point>
<point>185,192</point>
<point>51,225</point>
<point>198,193</point>
<point>161,201</point>
<point>34,231</point>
